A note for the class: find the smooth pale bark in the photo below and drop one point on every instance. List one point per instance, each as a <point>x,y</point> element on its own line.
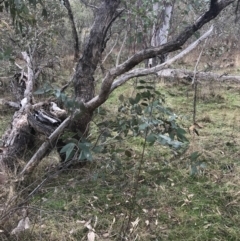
<point>161,27</point>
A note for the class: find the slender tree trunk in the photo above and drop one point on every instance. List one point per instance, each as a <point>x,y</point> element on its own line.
<point>161,27</point>
<point>74,30</point>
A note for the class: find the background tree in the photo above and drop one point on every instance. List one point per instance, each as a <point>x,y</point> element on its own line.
<point>74,30</point>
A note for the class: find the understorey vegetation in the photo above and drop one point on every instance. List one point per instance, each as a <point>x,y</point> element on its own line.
<point>119,120</point>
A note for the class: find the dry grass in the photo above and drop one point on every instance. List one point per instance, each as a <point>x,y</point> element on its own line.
<point>170,204</point>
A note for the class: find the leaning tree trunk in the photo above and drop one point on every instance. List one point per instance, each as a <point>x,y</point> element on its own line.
<point>92,53</point>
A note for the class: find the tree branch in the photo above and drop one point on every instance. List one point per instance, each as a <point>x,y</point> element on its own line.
<point>37,157</point>
<point>98,100</point>
<point>88,5</point>
<point>154,51</point>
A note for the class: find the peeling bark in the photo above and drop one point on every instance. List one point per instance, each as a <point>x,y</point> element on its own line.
<point>19,135</point>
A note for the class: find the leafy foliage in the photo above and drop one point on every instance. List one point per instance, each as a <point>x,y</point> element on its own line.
<point>146,113</point>
<point>20,11</point>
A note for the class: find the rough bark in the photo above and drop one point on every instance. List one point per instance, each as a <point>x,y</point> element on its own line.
<point>74,30</point>
<point>92,53</point>
<point>20,135</point>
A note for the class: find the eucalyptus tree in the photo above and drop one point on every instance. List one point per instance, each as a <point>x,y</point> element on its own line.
<point>106,14</point>
<point>161,26</point>
<point>74,29</point>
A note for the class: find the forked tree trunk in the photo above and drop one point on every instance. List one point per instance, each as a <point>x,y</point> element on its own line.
<point>92,53</point>
<point>20,135</point>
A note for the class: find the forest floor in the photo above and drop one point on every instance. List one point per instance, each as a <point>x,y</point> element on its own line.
<point>170,202</point>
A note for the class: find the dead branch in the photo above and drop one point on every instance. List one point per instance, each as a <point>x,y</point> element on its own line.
<point>178,74</point>
<point>37,157</point>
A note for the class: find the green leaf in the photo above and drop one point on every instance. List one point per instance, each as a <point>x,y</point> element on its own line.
<point>143,126</point>
<point>68,149</point>
<point>88,155</point>
<point>149,87</point>
<point>57,93</point>
<point>203,165</point>
<point>140,87</point>
<point>193,170</point>
<point>142,81</point>
<point>85,155</point>
<point>131,101</point>
<point>85,146</point>
<point>137,98</point>
<point>151,138</point>
<point>163,139</point>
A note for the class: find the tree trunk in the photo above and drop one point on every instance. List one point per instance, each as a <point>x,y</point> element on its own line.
<point>19,135</point>
<point>92,53</point>
<point>161,28</point>
<point>74,30</point>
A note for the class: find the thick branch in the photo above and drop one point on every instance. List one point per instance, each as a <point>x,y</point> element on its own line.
<point>29,84</point>
<point>154,51</point>
<point>98,100</point>
<point>37,157</point>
